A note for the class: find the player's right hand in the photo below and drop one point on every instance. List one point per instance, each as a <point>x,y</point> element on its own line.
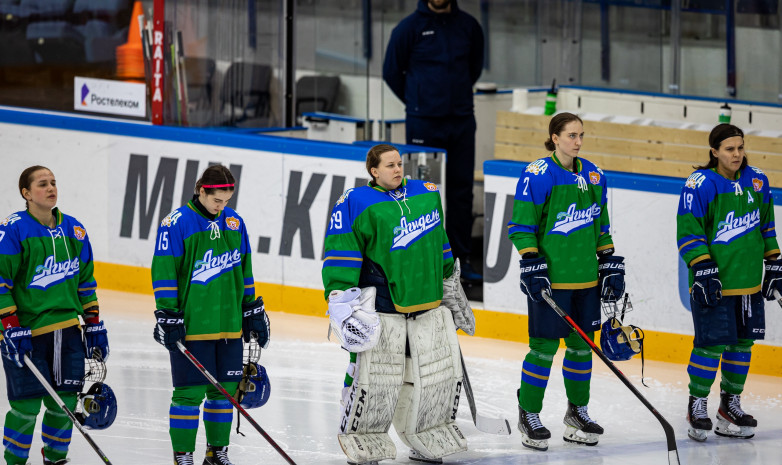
<point>706,285</point>
<point>170,328</point>
<point>534,277</point>
<point>17,341</point>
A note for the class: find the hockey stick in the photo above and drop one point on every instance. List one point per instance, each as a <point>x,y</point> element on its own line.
<point>778,297</point>
<point>228,396</point>
<point>65,409</point>
<point>673,453</point>
<point>485,424</point>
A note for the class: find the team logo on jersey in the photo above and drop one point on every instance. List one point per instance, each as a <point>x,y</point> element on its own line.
<point>757,170</point>
<point>171,218</point>
<point>51,272</point>
<point>408,232</point>
<point>344,196</point>
<point>537,167</point>
<point>431,186</point>
<point>210,267</point>
<point>79,233</point>
<point>731,227</point>
<point>573,219</point>
<point>594,178</point>
<point>757,184</point>
<point>232,223</point>
<point>695,180</point>
<point>11,219</point>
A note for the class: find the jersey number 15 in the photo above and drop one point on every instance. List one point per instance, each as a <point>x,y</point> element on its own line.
<point>162,241</point>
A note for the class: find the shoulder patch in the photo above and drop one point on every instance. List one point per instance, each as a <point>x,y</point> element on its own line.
<point>80,233</point>
<point>695,180</point>
<point>11,219</point>
<point>171,218</point>
<point>758,170</point>
<point>594,177</point>
<point>344,196</point>
<point>232,223</point>
<point>431,186</point>
<point>537,167</point>
<point>757,184</point>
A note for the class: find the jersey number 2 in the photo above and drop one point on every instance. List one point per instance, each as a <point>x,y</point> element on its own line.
<point>526,185</point>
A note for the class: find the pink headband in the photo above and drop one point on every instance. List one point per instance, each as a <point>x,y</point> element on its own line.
<point>216,186</point>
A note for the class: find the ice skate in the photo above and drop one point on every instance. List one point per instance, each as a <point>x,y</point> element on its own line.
<point>580,428</point>
<point>698,418</point>
<point>216,455</point>
<point>533,434</point>
<point>49,462</point>
<point>183,458</point>
<point>417,457</point>
<point>373,462</point>
<point>730,413</point>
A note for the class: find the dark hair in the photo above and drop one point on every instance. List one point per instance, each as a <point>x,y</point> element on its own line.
<point>373,156</point>
<point>718,134</point>
<point>557,125</point>
<point>215,175</point>
<point>26,179</point>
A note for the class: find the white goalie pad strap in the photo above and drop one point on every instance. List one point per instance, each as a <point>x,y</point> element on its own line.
<point>426,410</point>
<point>369,403</point>
<point>353,319</point>
<point>364,448</point>
<point>456,301</point>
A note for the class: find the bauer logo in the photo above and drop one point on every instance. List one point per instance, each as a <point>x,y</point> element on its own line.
<point>211,267</point>
<point>52,272</point>
<point>409,232</point>
<point>537,167</point>
<point>695,180</point>
<point>731,227</point>
<point>573,219</point>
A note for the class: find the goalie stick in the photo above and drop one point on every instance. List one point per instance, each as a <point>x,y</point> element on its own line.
<point>485,424</point>
<point>670,437</point>
<point>778,297</point>
<point>228,396</point>
<point>64,408</point>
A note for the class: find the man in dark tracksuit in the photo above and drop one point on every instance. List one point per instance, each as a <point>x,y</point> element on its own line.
<point>434,57</point>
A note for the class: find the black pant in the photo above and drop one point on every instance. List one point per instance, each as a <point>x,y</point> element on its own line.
<point>456,135</point>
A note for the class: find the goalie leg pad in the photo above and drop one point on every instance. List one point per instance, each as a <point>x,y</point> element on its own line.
<point>426,410</point>
<point>368,404</point>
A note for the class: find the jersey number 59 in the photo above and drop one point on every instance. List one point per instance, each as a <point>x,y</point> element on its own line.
<point>336,220</point>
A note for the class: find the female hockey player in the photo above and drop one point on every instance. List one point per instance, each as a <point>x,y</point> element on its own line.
<point>387,256</point>
<point>725,228</point>
<point>205,296</point>
<point>560,227</point>
<point>46,283</point>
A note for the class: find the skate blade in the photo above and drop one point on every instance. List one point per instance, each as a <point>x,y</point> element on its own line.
<point>697,434</point>
<point>572,436</point>
<point>726,429</point>
<point>535,444</point>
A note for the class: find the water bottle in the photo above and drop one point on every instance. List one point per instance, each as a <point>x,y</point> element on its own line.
<point>551,100</point>
<point>725,113</point>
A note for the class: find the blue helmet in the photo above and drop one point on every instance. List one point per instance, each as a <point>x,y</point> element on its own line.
<point>619,342</point>
<point>97,407</point>
<point>254,388</point>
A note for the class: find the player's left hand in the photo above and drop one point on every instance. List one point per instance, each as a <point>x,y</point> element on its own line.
<point>255,322</point>
<point>772,279</point>
<point>611,277</point>
<point>95,338</point>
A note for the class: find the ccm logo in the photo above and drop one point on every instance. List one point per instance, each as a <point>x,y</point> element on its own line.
<point>706,272</point>
<point>74,382</point>
<point>171,321</point>
<point>253,311</point>
<point>759,331</point>
<point>234,373</point>
<point>530,269</point>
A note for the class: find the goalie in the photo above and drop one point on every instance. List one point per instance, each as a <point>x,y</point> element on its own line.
<point>395,302</point>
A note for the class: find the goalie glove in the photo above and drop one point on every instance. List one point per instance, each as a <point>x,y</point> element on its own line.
<point>353,319</point>
<point>455,300</point>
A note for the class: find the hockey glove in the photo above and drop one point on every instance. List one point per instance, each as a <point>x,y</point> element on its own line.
<point>455,300</point>
<point>611,277</point>
<point>17,341</point>
<point>706,285</point>
<point>773,278</point>
<point>170,328</point>
<point>534,278</point>
<point>353,318</point>
<point>95,339</point>
<point>255,322</point>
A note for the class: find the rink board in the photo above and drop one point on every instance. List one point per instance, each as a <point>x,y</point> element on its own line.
<point>120,179</point>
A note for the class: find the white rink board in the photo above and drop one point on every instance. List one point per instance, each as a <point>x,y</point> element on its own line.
<point>643,226</point>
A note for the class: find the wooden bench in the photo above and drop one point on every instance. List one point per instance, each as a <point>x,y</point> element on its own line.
<point>629,147</point>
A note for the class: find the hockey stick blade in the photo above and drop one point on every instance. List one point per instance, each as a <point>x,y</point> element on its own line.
<point>670,437</point>
<point>778,297</point>
<point>485,424</point>
<point>64,408</point>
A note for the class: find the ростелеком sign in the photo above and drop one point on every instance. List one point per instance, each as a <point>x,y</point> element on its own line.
<point>105,96</point>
